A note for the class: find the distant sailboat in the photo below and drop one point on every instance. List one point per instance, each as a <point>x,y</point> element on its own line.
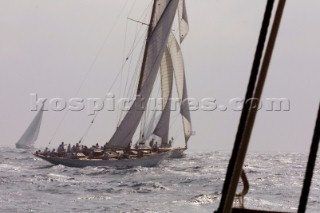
<point>162,52</point>
<point>30,136</point>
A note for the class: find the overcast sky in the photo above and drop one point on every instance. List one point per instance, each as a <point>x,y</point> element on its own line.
<point>48,47</point>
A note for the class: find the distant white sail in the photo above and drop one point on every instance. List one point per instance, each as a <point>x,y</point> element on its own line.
<point>30,136</point>
<point>155,47</point>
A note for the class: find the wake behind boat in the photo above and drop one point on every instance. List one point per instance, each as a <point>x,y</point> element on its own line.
<point>162,52</point>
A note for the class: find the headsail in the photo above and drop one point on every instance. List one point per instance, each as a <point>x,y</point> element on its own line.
<point>29,137</point>
<point>155,47</point>
<point>179,73</point>
<point>162,128</point>
<point>150,125</point>
<point>173,62</point>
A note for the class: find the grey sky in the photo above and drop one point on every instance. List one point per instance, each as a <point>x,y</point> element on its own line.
<point>47,47</point>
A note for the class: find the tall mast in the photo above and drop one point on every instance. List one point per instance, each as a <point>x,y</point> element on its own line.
<point>150,29</point>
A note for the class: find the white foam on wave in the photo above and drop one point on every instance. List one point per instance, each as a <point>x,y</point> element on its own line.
<point>8,167</point>
<point>203,199</point>
<point>94,197</point>
<point>59,177</point>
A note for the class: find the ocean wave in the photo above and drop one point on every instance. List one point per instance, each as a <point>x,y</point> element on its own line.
<point>203,199</point>
<point>147,187</point>
<point>94,197</point>
<point>189,184</point>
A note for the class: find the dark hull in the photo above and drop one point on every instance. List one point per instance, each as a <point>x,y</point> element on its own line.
<point>147,161</point>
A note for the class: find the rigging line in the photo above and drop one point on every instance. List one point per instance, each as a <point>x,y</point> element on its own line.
<point>107,94</point>
<point>140,22</point>
<point>129,94</point>
<point>138,29</point>
<point>121,69</point>
<point>132,84</point>
<point>90,69</point>
<point>123,55</point>
<point>135,43</point>
<point>310,167</point>
<point>86,132</point>
<point>112,85</point>
<point>105,97</point>
<point>225,203</point>
<point>103,44</point>
<point>127,58</point>
<point>133,47</point>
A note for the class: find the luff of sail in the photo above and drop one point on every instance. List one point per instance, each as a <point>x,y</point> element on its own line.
<point>29,137</point>
<point>166,70</point>
<point>157,40</point>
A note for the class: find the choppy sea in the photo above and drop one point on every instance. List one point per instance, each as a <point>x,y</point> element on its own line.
<point>189,184</point>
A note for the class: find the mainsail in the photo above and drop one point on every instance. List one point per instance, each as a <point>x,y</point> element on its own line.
<point>155,48</point>
<point>29,137</point>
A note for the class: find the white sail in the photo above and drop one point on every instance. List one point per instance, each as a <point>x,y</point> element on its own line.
<point>183,20</point>
<point>162,128</point>
<point>155,47</point>
<point>29,137</point>
<point>179,73</point>
<point>150,125</point>
<point>169,64</point>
